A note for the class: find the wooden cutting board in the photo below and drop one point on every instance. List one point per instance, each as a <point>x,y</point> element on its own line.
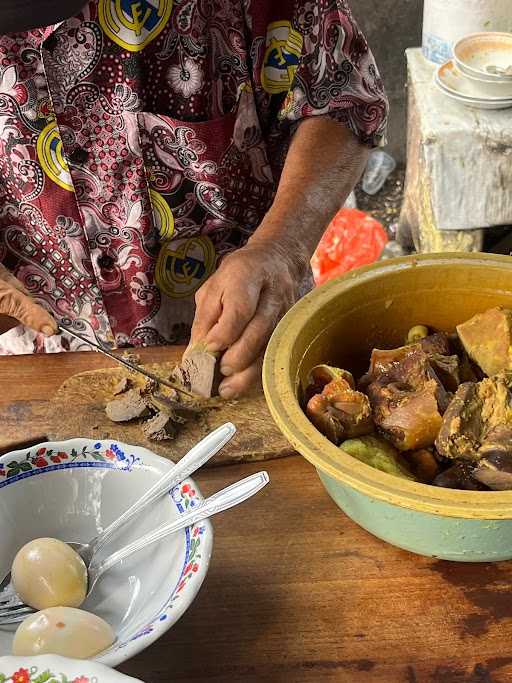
<point>78,409</point>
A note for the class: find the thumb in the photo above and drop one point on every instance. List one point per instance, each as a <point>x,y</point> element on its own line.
<point>17,305</point>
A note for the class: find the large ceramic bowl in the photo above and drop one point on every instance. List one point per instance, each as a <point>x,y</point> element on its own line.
<point>72,490</point>
<point>341,322</point>
<point>53,669</point>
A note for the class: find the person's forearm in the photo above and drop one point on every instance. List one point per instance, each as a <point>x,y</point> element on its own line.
<point>324,162</point>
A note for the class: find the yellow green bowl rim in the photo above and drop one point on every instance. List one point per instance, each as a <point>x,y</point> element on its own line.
<point>280,392</point>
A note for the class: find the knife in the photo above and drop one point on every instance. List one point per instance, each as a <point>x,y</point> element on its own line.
<point>127,364</point>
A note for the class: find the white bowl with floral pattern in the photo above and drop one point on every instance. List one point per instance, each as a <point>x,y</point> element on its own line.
<point>54,669</point>
<point>72,490</point>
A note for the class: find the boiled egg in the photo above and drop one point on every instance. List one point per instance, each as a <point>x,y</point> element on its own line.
<point>48,573</point>
<point>64,631</point>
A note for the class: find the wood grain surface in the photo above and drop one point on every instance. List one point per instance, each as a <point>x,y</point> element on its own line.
<point>297,592</point>
<point>78,408</point>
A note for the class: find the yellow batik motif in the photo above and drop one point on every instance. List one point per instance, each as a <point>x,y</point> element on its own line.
<point>133,24</point>
<point>183,265</point>
<point>162,214</point>
<point>283,49</point>
<point>51,156</point>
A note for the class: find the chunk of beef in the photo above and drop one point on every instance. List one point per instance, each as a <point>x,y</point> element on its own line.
<point>129,406</point>
<point>487,339</point>
<point>459,476</point>
<point>382,361</point>
<point>340,412</point>
<point>447,369</point>
<point>495,466</point>
<point>424,465</point>
<point>160,427</point>
<point>459,436</point>
<point>476,414</point>
<point>321,375</point>
<point>408,400</point>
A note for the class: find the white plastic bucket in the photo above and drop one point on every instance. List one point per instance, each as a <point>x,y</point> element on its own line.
<point>446,21</point>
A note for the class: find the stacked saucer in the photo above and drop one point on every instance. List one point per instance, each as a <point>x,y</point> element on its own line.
<point>480,73</point>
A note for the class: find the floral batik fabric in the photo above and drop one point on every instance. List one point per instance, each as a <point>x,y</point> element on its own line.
<point>143,140</point>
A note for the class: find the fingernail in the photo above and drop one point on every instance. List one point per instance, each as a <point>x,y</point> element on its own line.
<point>48,330</point>
<point>226,370</point>
<point>227,392</point>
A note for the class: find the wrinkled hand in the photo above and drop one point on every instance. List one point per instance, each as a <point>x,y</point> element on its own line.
<point>16,306</point>
<point>239,306</point>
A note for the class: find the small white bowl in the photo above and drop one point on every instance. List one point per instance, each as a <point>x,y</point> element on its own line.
<point>474,53</point>
<point>456,85</point>
<point>30,669</point>
<point>72,490</point>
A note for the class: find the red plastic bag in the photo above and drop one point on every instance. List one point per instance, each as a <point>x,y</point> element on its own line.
<point>353,239</point>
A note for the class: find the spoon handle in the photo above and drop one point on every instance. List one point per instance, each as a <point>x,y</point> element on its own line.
<point>223,500</point>
<point>192,461</point>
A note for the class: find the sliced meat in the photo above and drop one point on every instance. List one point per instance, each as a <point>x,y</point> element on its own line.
<point>476,415</point>
<point>122,386</point>
<point>487,339</point>
<point>340,412</point>
<point>160,427</point>
<point>200,372</point>
<point>129,406</point>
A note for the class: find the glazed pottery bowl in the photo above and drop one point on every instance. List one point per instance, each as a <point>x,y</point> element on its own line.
<point>460,85</point>
<point>473,54</point>
<point>53,669</point>
<point>340,323</point>
<point>72,490</point>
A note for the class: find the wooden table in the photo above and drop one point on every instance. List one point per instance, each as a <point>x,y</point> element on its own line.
<point>297,592</point>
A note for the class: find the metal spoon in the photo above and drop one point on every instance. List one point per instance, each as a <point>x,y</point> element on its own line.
<point>192,461</point>
<point>499,70</point>
<point>223,500</point>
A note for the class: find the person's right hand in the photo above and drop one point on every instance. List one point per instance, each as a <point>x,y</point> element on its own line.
<point>16,306</point>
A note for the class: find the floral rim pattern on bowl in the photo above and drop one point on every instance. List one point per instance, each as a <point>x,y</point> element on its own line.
<point>112,455</point>
<point>37,675</point>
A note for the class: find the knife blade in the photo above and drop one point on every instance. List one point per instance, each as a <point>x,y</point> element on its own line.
<point>127,364</point>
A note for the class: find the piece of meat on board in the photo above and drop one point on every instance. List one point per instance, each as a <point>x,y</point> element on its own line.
<point>199,371</point>
<point>160,427</point>
<point>476,415</point>
<point>487,339</point>
<point>129,406</point>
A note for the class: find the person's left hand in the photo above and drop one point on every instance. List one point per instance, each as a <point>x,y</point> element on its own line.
<point>238,307</point>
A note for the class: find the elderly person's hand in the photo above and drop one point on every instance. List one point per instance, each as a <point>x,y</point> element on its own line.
<point>16,306</point>
<point>240,305</point>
